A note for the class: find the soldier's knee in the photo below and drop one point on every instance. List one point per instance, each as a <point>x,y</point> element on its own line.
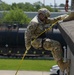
<point>50,44</point>
<point>47,45</point>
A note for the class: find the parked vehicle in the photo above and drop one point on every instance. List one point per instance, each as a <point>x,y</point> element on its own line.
<point>55,70</point>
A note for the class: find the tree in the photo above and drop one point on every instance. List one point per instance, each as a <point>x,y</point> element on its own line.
<point>4,6</point>
<point>25,7</point>
<point>62,5</point>
<point>21,6</point>
<point>51,5</point>
<point>28,7</point>
<point>37,5</point>
<point>16,15</point>
<point>14,5</point>
<point>49,8</point>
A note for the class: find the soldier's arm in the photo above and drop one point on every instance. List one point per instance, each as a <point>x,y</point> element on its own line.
<point>56,19</point>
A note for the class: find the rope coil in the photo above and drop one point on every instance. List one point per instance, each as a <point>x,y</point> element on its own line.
<point>66,6</point>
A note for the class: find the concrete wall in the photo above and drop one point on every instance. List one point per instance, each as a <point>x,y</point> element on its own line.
<point>67,30</point>
<point>71,57</point>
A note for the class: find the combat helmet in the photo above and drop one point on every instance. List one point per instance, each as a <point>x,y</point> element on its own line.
<point>44,11</point>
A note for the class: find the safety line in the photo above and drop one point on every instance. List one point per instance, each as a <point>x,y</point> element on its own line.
<point>33,41</point>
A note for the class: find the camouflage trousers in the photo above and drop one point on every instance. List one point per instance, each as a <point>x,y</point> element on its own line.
<point>48,44</point>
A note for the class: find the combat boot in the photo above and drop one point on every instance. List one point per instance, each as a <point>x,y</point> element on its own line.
<point>63,65</point>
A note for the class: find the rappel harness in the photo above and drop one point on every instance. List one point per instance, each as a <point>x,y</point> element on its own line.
<point>33,41</point>
<point>66,6</point>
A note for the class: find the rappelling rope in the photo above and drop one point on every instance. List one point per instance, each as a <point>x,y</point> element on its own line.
<point>34,40</point>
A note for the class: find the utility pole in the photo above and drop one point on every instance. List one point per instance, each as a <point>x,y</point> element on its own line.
<point>0,1</point>
<point>43,2</point>
<point>72,5</point>
<point>54,5</point>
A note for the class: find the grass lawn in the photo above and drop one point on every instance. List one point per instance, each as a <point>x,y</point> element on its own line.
<point>38,65</point>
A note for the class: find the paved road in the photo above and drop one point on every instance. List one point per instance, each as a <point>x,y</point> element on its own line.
<point>12,72</point>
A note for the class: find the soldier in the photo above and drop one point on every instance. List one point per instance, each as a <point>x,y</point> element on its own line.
<point>36,27</point>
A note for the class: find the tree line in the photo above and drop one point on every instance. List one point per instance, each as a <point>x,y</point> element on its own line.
<point>27,6</point>
<point>16,11</point>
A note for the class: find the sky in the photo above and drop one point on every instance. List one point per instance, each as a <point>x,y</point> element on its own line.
<point>47,2</point>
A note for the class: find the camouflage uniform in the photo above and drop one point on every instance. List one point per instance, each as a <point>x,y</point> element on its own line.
<point>35,28</point>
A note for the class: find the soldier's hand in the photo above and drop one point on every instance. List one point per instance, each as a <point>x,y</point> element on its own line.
<point>64,16</point>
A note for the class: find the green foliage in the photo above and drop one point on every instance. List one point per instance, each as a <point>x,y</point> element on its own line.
<point>37,5</point>
<point>62,5</point>
<point>56,10</point>
<point>24,6</point>
<point>28,7</point>
<point>14,5</point>
<point>4,6</point>
<point>49,8</point>
<point>16,15</point>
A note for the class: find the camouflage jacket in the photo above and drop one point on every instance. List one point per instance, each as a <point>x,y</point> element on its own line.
<point>36,27</point>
